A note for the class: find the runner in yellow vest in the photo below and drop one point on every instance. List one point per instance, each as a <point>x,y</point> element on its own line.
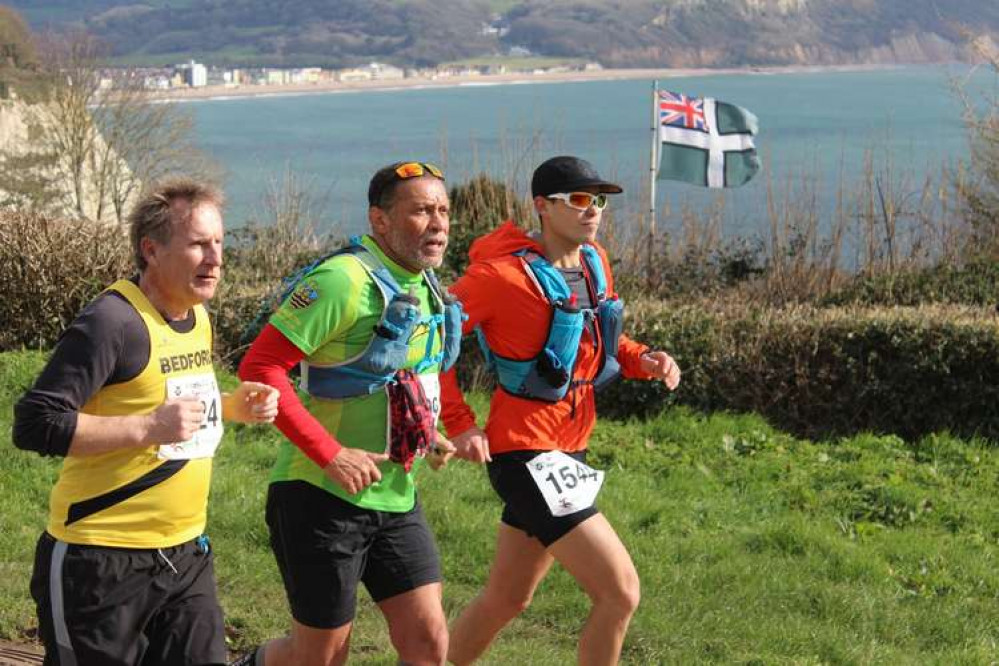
<point>123,573</point>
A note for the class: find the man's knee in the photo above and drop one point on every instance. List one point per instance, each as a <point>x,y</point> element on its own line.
<point>508,602</point>
<point>309,647</point>
<point>622,595</point>
<point>423,642</point>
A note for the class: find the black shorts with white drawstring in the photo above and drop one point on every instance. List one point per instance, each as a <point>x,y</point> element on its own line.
<point>102,606</point>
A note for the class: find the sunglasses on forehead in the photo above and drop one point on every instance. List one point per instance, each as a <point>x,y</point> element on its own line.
<point>408,170</point>
<point>581,200</point>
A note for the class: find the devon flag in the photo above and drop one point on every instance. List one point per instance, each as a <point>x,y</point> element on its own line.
<point>705,142</point>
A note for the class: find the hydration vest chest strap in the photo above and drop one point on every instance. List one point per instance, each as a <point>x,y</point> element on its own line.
<point>548,376</point>
<point>388,350</point>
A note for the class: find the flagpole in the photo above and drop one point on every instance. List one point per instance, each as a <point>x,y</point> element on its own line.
<point>652,167</point>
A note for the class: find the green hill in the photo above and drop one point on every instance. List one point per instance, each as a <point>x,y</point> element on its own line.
<point>623,33</point>
<point>19,65</point>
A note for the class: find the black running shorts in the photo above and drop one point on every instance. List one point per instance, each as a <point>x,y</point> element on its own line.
<point>324,546</point>
<point>524,505</point>
<point>101,606</point>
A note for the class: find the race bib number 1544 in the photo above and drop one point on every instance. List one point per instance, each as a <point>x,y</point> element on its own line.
<point>566,484</point>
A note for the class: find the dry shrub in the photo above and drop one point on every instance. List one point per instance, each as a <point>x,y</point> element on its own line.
<point>49,269</point>
<point>478,207</point>
<point>281,239</point>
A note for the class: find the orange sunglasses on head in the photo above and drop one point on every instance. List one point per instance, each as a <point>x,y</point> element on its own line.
<point>408,170</point>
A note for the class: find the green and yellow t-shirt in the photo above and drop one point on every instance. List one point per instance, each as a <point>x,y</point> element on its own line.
<point>331,317</point>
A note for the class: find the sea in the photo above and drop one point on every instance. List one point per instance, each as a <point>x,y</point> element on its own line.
<point>820,132</point>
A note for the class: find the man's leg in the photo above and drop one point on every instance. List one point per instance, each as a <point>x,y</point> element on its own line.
<point>403,575</point>
<point>320,544</point>
<point>417,625</point>
<point>93,602</point>
<point>520,564</point>
<point>187,629</point>
<point>596,558</point>
<point>307,646</point>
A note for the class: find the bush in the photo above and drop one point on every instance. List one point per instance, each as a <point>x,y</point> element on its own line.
<point>824,372</point>
<point>477,207</point>
<point>257,260</point>
<point>49,269</point>
<point>976,283</point>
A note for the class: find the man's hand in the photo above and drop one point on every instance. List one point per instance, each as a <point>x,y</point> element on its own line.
<point>661,366</point>
<point>175,420</point>
<point>472,445</point>
<point>440,453</point>
<point>355,469</point>
<point>251,402</point>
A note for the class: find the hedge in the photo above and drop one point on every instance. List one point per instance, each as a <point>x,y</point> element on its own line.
<point>824,372</point>
<point>814,371</point>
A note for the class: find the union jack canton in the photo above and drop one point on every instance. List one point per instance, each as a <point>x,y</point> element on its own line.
<point>678,110</point>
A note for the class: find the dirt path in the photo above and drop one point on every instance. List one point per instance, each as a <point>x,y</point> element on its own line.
<point>19,654</point>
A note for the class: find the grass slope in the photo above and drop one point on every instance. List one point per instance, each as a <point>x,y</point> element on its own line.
<point>753,547</point>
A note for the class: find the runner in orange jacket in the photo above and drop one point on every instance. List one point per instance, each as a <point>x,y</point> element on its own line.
<point>545,519</point>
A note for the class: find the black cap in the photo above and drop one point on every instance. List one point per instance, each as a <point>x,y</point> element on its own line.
<point>568,174</point>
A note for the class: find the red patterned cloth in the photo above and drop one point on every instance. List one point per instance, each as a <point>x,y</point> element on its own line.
<point>414,430</point>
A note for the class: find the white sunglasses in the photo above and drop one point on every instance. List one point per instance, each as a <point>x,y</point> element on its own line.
<point>581,200</point>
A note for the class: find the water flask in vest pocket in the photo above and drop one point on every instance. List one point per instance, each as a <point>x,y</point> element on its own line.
<point>453,317</point>
<point>555,361</point>
<point>390,346</point>
<point>610,315</point>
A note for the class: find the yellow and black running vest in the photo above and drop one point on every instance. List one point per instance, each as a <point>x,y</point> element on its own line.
<point>131,498</point>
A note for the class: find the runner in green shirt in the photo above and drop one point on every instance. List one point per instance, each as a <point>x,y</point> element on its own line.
<point>337,326</point>
<point>342,505</point>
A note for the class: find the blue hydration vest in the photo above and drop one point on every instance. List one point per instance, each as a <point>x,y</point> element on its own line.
<point>369,371</point>
<point>548,376</point>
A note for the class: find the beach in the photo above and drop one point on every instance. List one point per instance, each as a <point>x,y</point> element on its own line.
<point>327,87</point>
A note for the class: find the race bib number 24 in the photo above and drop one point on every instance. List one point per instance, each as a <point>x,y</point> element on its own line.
<point>566,484</point>
<point>207,438</point>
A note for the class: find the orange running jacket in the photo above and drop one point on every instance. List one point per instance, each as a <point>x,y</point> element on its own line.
<point>498,295</point>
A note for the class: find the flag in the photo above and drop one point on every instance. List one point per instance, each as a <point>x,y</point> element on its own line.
<point>705,142</point>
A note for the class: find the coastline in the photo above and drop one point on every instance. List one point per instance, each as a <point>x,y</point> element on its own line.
<point>227,92</point>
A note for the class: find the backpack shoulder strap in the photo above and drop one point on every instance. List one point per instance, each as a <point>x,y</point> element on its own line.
<point>595,269</point>
<point>545,276</point>
<point>375,268</point>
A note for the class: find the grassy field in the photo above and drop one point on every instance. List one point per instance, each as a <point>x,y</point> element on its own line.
<point>753,547</point>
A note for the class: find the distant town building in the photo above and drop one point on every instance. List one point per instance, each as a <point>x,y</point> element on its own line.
<point>156,82</point>
<point>497,26</point>
<point>277,77</point>
<point>353,74</point>
<point>381,71</point>
<point>308,75</point>
<point>193,74</point>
